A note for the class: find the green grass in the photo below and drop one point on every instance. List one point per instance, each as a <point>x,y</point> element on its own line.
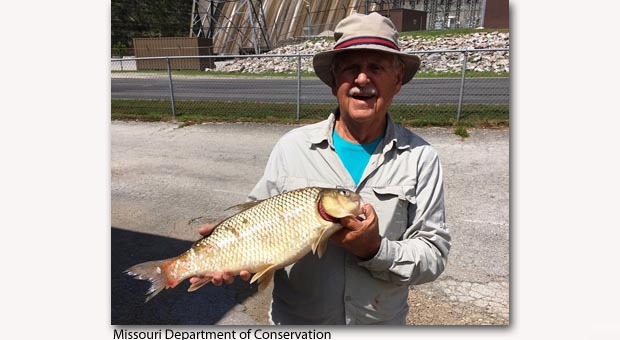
<point>193,112</point>
<point>461,131</point>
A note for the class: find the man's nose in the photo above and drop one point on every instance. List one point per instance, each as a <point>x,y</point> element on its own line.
<point>362,78</point>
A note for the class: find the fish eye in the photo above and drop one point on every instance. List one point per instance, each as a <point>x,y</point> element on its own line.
<point>344,193</point>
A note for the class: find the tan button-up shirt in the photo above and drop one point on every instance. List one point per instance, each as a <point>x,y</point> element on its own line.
<point>403,182</point>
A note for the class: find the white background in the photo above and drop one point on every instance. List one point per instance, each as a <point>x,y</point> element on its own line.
<point>55,174</point>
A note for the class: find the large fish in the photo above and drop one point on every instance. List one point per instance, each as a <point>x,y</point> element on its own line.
<point>264,236</point>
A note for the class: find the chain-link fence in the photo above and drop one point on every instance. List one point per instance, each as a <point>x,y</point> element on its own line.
<point>452,85</point>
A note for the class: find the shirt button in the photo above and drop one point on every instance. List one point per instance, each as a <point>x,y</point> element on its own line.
<point>347,298</point>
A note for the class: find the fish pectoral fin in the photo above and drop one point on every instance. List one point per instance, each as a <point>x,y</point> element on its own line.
<point>243,206</point>
<point>264,276</point>
<point>265,280</point>
<point>196,285</point>
<point>319,246</point>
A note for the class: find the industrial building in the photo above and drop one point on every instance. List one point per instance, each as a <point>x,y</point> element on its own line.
<point>256,26</point>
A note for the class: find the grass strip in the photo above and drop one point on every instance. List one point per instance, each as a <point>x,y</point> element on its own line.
<point>195,112</point>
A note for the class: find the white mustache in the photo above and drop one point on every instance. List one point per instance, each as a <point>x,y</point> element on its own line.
<point>366,91</point>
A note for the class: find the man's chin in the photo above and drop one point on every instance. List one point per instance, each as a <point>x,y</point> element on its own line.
<point>362,115</point>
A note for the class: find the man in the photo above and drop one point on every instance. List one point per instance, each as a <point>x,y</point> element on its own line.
<point>364,275</point>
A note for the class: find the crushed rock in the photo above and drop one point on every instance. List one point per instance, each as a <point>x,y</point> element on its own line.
<point>497,61</point>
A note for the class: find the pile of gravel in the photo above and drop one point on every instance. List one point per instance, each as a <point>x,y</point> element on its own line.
<point>497,61</point>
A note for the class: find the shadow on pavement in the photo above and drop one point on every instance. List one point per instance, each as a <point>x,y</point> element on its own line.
<point>171,306</point>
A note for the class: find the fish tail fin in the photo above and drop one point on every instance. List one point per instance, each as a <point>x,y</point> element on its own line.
<point>156,272</point>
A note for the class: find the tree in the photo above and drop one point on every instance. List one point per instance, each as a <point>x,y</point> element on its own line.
<point>149,18</point>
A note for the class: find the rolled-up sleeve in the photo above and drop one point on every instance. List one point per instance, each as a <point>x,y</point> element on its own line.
<point>421,254</point>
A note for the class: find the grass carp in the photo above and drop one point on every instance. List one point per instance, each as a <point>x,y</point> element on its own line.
<point>264,236</point>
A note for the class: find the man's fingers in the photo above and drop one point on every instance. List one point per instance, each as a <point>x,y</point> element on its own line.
<point>340,235</point>
<point>217,279</point>
<point>220,278</point>
<point>350,223</point>
<point>368,211</point>
<point>360,237</point>
<point>195,279</point>
<point>225,277</point>
<point>245,275</point>
<point>228,277</point>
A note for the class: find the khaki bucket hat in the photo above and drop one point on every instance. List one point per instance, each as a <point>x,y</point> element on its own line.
<point>364,32</point>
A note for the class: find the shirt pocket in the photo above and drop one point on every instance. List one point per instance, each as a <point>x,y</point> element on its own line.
<point>391,204</point>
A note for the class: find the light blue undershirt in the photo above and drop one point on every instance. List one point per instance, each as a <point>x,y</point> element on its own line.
<point>354,156</point>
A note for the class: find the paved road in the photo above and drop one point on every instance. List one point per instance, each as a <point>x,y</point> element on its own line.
<point>166,181</point>
<point>418,91</point>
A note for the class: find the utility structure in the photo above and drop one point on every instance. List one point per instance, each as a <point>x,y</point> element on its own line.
<point>256,26</point>
<point>241,25</point>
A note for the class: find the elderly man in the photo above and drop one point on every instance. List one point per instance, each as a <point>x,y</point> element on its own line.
<point>364,275</point>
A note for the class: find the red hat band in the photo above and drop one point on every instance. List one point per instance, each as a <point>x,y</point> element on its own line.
<point>366,41</point>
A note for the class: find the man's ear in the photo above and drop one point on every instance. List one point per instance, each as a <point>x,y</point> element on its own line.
<point>399,78</point>
<point>400,74</point>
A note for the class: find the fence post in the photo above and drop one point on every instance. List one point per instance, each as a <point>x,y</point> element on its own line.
<point>458,112</point>
<point>171,88</point>
<point>298,83</point>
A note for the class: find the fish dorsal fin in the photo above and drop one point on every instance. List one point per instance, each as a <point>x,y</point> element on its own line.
<point>243,206</point>
<point>264,276</point>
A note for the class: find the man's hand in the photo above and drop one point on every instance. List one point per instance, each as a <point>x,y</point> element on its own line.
<point>219,278</point>
<point>361,238</point>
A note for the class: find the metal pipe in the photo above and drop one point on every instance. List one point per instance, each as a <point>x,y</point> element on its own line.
<point>171,87</point>
<point>308,19</point>
<point>252,28</point>
<point>298,83</point>
<point>458,112</point>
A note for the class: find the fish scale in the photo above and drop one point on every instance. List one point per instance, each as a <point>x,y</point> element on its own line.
<point>262,238</point>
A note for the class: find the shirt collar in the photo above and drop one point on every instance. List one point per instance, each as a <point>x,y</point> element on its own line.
<point>324,131</point>
<point>392,138</point>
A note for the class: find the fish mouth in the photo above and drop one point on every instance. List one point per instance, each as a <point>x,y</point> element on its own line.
<point>360,209</point>
<point>324,215</point>
<point>356,210</point>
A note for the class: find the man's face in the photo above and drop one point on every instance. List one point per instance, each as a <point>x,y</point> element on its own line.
<point>365,83</point>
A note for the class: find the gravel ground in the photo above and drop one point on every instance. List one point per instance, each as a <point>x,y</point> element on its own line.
<point>166,181</point>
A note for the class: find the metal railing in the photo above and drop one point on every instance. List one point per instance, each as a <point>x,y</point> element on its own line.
<point>479,85</point>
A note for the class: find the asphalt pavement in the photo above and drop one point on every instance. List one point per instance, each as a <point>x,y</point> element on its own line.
<point>312,90</point>
<point>167,181</point>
